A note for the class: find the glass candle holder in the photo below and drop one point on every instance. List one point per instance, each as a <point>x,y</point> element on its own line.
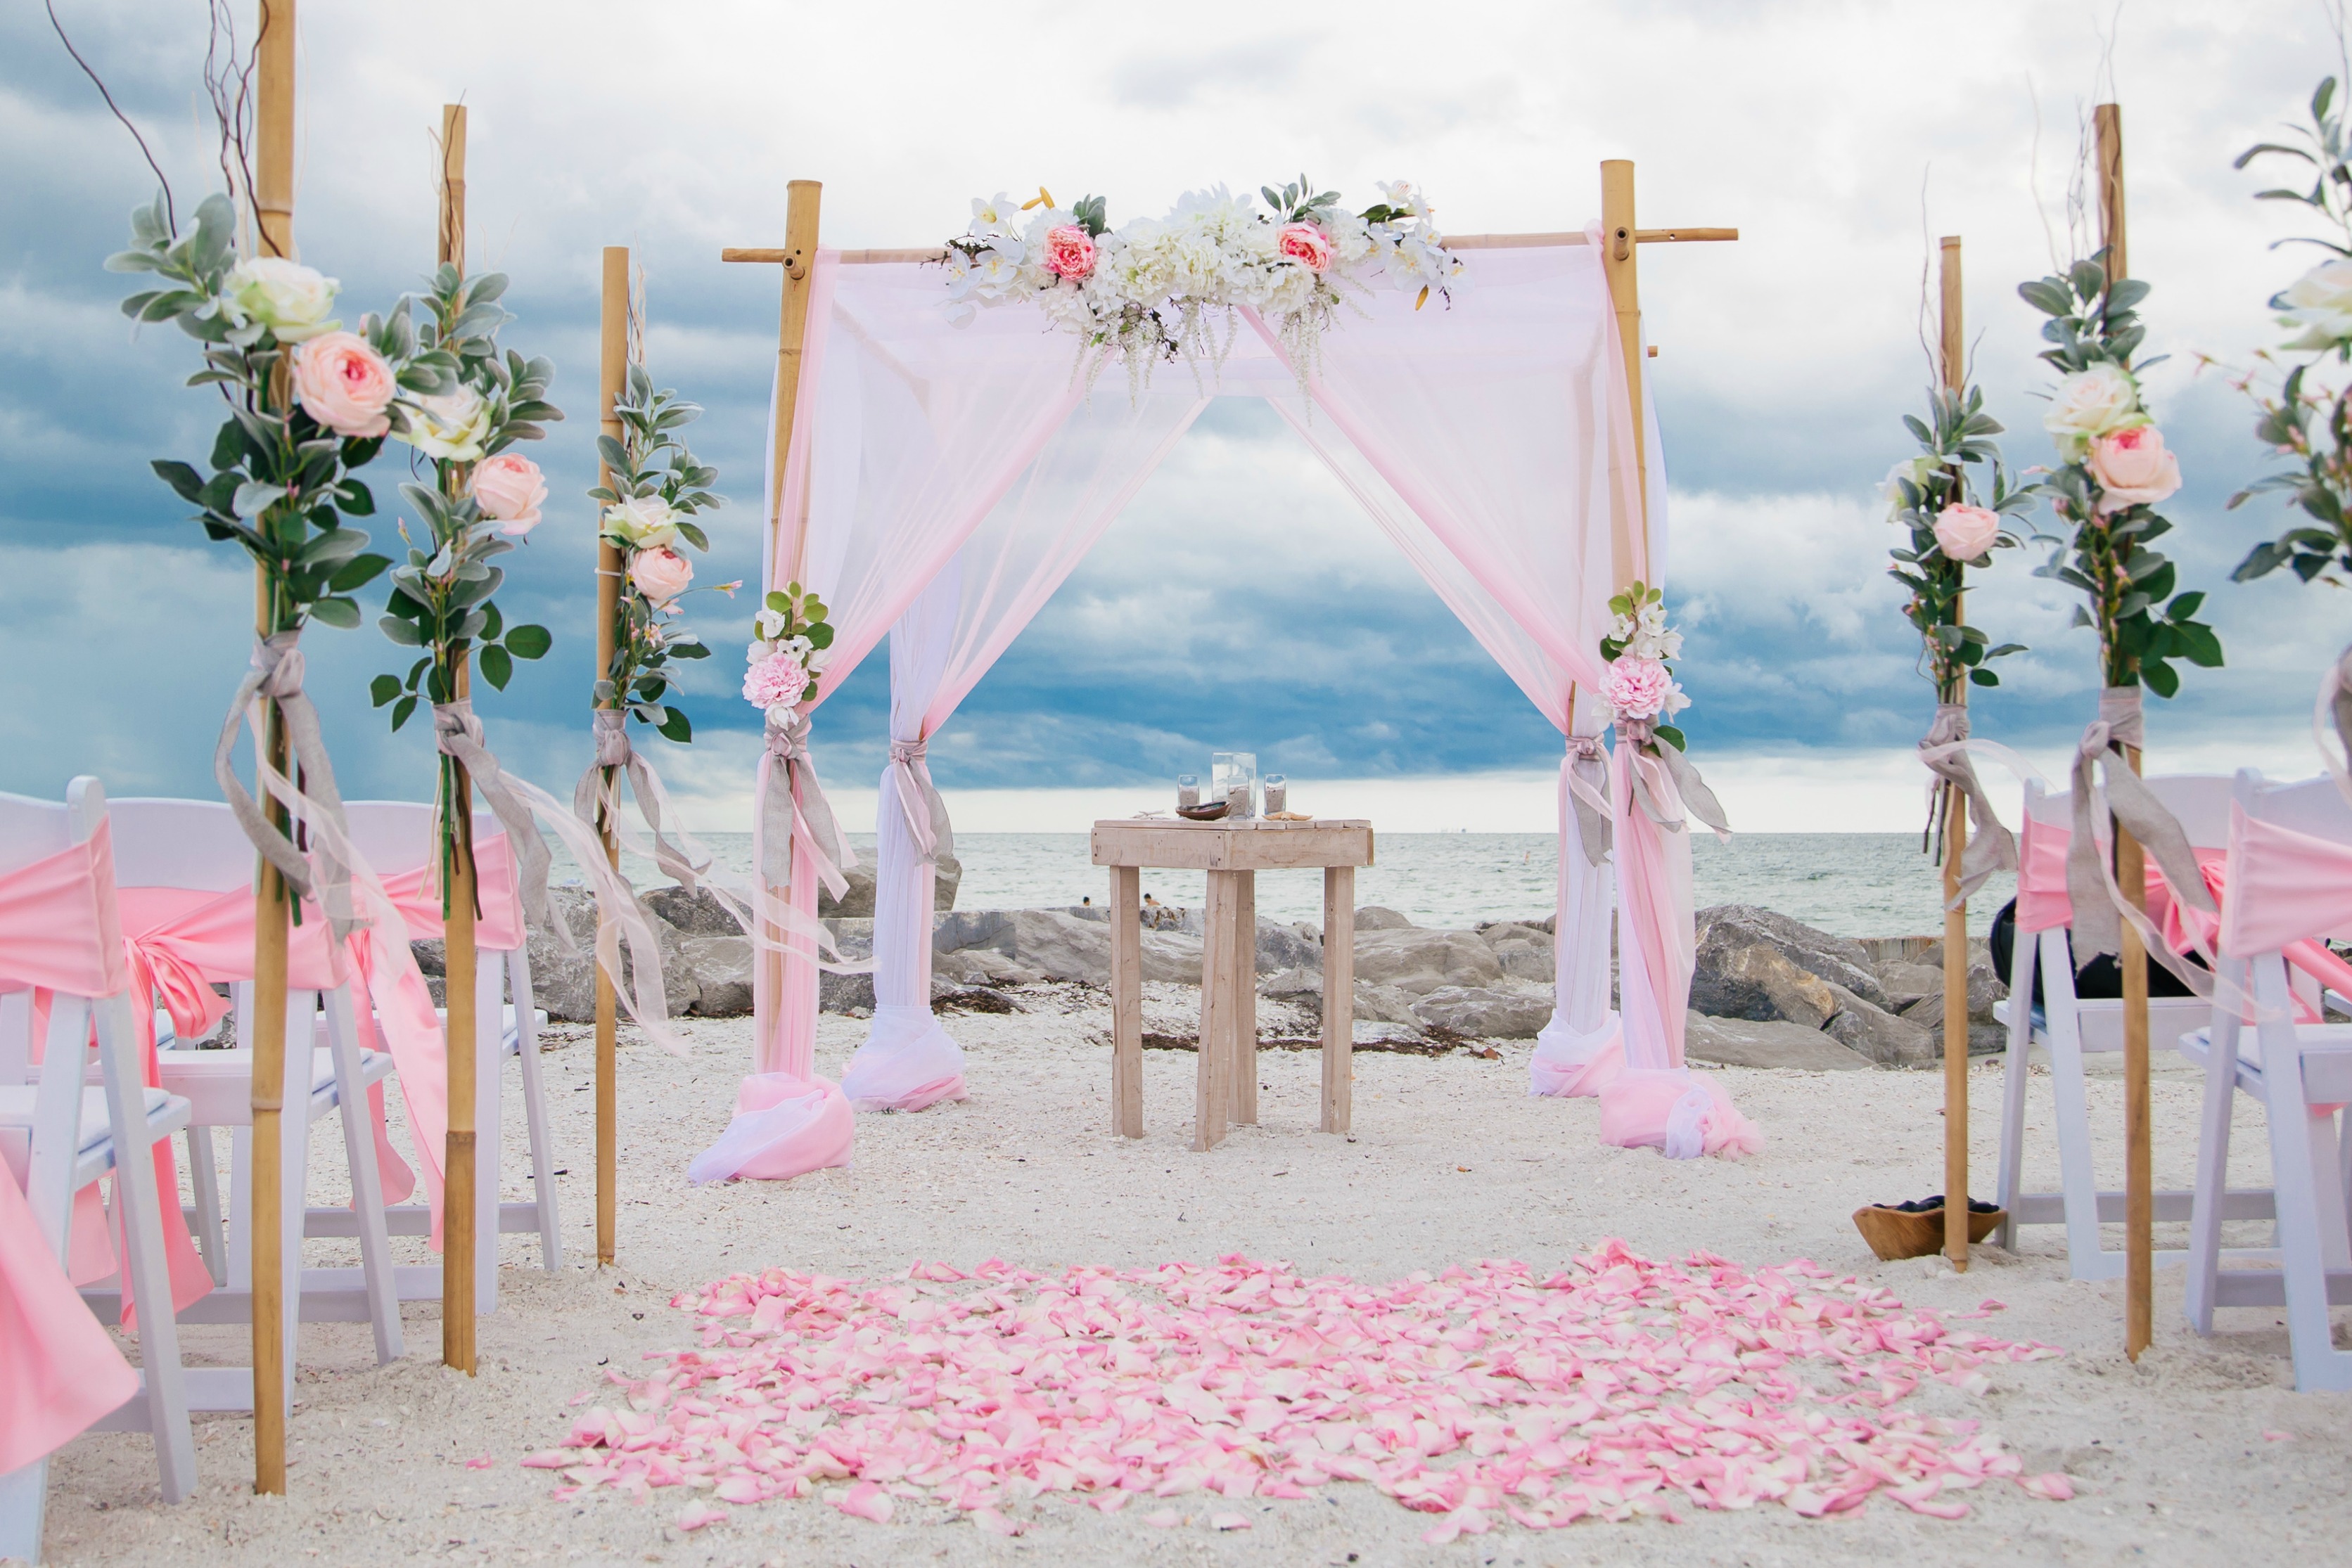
<point>1188,792</point>
<point>1276,793</point>
<point>1234,774</point>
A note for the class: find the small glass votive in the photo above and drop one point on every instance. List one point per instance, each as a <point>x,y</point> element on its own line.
<point>1277,792</point>
<point>1188,792</point>
<point>1234,775</point>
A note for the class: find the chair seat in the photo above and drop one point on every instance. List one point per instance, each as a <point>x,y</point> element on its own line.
<point>219,1083</point>
<point>2100,1022</point>
<point>2327,1058</point>
<point>17,1111</point>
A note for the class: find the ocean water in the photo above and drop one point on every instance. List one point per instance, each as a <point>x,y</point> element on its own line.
<point>1854,885</point>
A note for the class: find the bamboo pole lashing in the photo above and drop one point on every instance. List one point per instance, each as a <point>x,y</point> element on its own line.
<point>459,1233</point>
<point>1954,367</point>
<point>2131,871</point>
<point>273,204</point>
<point>613,373</point>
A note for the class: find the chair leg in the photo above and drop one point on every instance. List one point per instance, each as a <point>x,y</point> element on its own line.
<point>367,1181</point>
<point>163,1386</point>
<point>534,1109</point>
<point>490,1075</point>
<point>2077,1175</point>
<point>293,1155</point>
<point>2213,1156</point>
<point>206,1179</point>
<point>2015,1078</point>
<point>2310,1206</point>
<point>24,1500</point>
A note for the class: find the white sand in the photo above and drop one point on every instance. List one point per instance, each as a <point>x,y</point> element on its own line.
<point>1451,1161</point>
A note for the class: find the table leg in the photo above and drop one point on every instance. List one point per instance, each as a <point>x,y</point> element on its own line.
<point>1243,979</point>
<point>1126,1003</point>
<point>1339,995</point>
<point>1216,1091</point>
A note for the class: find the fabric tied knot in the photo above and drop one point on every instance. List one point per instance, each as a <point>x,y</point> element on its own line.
<point>595,800</point>
<point>919,800</point>
<point>1583,774</point>
<point>791,794</point>
<point>1991,847</point>
<point>276,677</point>
<point>2099,905</point>
<point>459,736</point>
<point>1666,783</point>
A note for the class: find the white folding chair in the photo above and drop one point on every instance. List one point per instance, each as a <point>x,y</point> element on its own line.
<point>59,1135</point>
<point>2070,1027</point>
<point>196,845</point>
<point>395,836</point>
<point>2301,1074</point>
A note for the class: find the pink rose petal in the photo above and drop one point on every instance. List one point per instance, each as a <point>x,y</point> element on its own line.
<point>480,1463</point>
<point>1162,1518</point>
<point>995,1523</point>
<point>866,1501</point>
<point>697,1515</point>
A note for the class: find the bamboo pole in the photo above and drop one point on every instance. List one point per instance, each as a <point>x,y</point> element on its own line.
<point>1956,841</point>
<point>2131,875</point>
<point>1453,242</point>
<point>1620,246</point>
<point>612,377</point>
<point>458,1237</point>
<point>273,203</point>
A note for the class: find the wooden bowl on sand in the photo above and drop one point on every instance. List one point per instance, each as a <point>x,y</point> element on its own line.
<point>1895,1233</point>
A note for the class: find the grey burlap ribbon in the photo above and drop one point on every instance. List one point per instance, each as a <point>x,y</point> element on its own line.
<point>459,736</point>
<point>919,797</point>
<point>2335,706</point>
<point>1698,801</point>
<point>2098,903</point>
<point>1991,847</point>
<point>617,756</point>
<point>790,790</point>
<point>276,676</point>
<point>1584,772</point>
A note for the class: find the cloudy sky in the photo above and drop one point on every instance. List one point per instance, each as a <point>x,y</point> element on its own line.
<point>1241,602</point>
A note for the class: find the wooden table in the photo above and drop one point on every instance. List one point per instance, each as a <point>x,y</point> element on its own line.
<point>1232,854</point>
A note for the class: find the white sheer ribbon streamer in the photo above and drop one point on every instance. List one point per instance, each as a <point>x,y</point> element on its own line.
<point>919,797</point>
<point>685,861</point>
<point>1585,771</point>
<point>277,676</point>
<point>2335,706</point>
<point>790,793</point>
<point>458,735</point>
<point>1666,784</point>
<point>1991,846</point>
<point>2099,905</point>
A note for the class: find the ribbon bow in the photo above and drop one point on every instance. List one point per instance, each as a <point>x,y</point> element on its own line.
<point>1584,772</point>
<point>933,834</point>
<point>2099,906</point>
<point>791,794</point>
<point>685,863</point>
<point>275,675</point>
<point>1991,846</point>
<point>458,735</point>
<point>1637,741</point>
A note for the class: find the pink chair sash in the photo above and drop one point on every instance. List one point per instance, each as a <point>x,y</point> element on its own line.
<point>58,1370</point>
<point>2286,888</point>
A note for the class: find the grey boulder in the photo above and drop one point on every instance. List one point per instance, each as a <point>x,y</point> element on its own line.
<point>1728,929</point>
<point>1374,917</point>
<point>1411,958</point>
<point>1740,1042</point>
<point>1487,1012</point>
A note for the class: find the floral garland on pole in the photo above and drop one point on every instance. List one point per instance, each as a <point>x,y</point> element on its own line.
<point>1160,289</point>
<point>481,500</point>
<point>2114,471</point>
<point>1642,693</point>
<point>1934,497</point>
<point>309,403</point>
<point>2311,425</point>
<point>784,673</point>
<point>658,487</point>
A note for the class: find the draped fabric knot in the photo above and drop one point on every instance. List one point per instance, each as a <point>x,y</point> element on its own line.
<point>459,733</point>
<point>1945,751</point>
<point>919,800</point>
<point>2099,905</point>
<point>790,795</point>
<point>596,801</point>
<point>274,676</point>
<point>1584,776</point>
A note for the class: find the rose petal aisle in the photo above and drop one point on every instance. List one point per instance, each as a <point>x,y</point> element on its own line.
<point>1616,1386</point>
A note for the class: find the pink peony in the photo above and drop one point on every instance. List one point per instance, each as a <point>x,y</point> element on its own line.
<point>661,575</point>
<point>1965,533</point>
<point>510,490</point>
<point>776,681</point>
<point>2133,467</point>
<point>1306,244</point>
<point>1070,253</point>
<point>1639,688</point>
<point>343,384</point>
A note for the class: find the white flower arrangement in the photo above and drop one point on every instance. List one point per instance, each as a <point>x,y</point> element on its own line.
<point>1173,287</point>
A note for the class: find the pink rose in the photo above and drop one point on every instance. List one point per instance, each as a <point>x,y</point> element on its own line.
<point>1965,533</point>
<point>1640,688</point>
<point>2133,467</point>
<point>661,575</point>
<point>343,384</point>
<point>1306,244</point>
<point>1070,252</point>
<point>510,490</point>
<point>776,681</point>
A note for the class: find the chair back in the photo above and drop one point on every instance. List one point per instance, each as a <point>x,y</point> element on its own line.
<point>2289,876</point>
<point>191,845</point>
<point>59,927</point>
<point>395,838</point>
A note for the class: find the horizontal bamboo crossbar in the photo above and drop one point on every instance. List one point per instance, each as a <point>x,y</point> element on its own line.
<point>1458,242</point>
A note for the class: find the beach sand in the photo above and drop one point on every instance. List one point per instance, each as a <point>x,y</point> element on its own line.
<point>2201,1451</point>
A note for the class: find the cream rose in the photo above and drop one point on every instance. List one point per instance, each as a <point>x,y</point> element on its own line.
<point>642,522</point>
<point>661,575</point>
<point>2320,304</point>
<point>343,384</point>
<point>508,488</point>
<point>1966,533</point>
<point>2090,404</point>
<point>289,298</point>
<point>2133,468</point>
<point>450,425</point>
